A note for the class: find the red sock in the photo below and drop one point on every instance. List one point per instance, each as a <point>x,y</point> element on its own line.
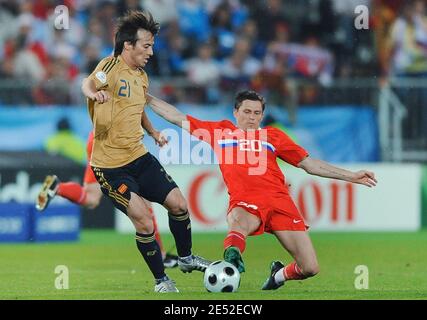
<point>72,191</point>
<point>156,230</point>
<point>235,239</point>
<point>293,272</point>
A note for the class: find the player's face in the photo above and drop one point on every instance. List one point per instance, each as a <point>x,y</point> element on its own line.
<point>249,115</point>
<point>141,52</point>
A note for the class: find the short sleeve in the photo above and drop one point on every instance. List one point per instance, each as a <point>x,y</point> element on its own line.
<point>200,124</point>
<point>203,130</point>
<point>102,75</point>
<point>289,151</point>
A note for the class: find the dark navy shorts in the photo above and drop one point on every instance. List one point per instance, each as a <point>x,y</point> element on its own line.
<point>144,176</point>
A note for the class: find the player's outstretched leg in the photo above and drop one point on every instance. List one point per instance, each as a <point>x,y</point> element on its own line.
<point>241,223</point>
<point>271,283</point>
<point>47,192</point>
<point>280,273</point>
<point>233,256</point>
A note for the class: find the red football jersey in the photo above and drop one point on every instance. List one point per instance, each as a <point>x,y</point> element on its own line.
<point>247,159</point>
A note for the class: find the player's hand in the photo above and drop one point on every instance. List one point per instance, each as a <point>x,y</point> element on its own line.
<point>367,178</point>
<point>159,138</point>
<point>101,96</point>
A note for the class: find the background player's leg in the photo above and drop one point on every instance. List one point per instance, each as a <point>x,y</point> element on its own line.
<point>141,218</point>
<point>52,186</point>
<point>299,245</point>
<point>72,191</point>
<point>93,195</point>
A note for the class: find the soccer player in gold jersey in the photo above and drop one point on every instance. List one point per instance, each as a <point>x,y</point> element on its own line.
<point>117,94</point>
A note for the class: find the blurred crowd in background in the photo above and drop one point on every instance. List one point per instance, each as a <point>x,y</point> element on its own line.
<point>208,48</point>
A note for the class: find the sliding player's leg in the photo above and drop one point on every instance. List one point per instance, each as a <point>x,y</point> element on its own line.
<point>299,245</point>
<point>241,223</point>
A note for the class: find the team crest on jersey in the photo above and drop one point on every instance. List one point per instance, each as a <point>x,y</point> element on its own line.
<point>122,189</point>
<point>101,76</point>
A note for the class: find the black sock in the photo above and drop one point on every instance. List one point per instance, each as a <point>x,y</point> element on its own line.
<point>150,250</point>
<point>180,226</point>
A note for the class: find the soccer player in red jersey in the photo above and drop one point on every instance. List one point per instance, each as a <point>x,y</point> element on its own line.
<point>259,197</point>
<point>89,195</point>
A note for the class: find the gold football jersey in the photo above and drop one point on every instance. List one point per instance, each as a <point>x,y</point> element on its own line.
<point>117,123</point>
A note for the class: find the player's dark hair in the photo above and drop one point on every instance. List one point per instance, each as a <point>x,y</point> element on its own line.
<point>129,25</point>
<point>248,95</point>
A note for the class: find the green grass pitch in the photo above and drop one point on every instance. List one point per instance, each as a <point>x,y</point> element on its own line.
<point>107,265</point>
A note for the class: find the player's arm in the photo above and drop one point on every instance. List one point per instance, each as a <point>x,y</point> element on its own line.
<point>155,134</point>
<point>90,91</point>
<point>168,112</point>
<point>323,169</point>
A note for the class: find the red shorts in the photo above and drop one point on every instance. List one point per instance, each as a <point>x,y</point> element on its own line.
<point>276,214</point>
<point>89,176</point>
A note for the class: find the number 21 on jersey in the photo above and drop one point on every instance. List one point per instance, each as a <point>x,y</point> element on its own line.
<point>124,90</point>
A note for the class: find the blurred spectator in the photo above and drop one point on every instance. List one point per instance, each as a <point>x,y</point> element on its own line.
<point>176,48</point>
<point>408,41</point>
<point>164,11</point>
<point>408,59</point>
<point>41,8</point>
<point>185,26</point>
<point>8,22</point>
<point>203,72</point>
<point>124,6</point>
<point>57,45</point>
<point>249,30</point>
<point>95,37</point>
<point>272,79</point>
<point>65,143</point>
<point>56,89</point>
<point>105,13</point>
<point>26,64</point>
<point>193,20</point>
<point>237,70</point>
<point>384,15</point>
<point>308,60</point>
<point>268,14</point>
<point>222,31</point>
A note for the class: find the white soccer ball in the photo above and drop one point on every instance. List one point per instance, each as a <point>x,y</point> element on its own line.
<point>221,276</point>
